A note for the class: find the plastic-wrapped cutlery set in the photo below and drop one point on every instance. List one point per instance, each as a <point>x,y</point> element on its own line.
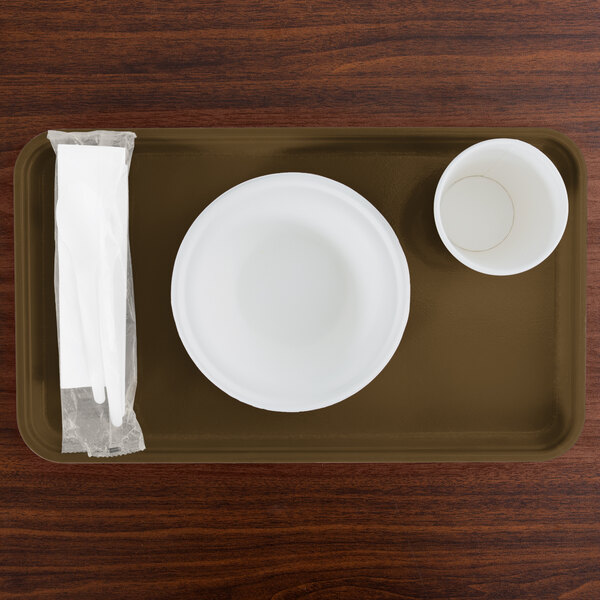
<point>94,293</point>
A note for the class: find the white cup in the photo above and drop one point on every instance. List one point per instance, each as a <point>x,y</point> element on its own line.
<point>501,207</point>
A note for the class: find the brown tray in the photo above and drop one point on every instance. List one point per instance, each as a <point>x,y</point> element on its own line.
<point>490,368</point>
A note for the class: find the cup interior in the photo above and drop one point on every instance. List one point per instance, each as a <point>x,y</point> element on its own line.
<point>501,206</point>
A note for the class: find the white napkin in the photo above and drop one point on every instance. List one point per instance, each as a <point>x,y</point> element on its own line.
<point>91,230</point>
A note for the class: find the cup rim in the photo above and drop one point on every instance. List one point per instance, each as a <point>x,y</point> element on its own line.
<point>455,251</point>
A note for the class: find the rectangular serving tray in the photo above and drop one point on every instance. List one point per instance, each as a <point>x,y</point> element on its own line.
<point>489,369</point>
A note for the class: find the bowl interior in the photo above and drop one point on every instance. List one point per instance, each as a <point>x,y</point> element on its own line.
<point>290,292</point>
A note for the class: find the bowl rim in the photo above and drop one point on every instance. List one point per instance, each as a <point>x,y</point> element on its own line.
<point>397,325</point>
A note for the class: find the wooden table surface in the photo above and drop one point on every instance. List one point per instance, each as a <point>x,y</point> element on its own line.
<point>290,532</point>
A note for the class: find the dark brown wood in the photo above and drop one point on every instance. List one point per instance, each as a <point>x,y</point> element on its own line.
<point>437,531</point>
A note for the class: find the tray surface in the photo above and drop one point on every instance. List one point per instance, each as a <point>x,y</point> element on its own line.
<point>489,368</point>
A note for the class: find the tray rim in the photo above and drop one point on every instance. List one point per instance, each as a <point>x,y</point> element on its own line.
<point>35,441</point>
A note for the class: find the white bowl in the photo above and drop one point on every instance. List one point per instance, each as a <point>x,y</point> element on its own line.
<point>290,292</point>
<point>501,207</point>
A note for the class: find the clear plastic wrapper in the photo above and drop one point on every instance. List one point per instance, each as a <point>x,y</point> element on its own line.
<point>94,293</point>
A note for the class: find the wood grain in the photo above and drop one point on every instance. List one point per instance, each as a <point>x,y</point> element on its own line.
<point>291,532</point>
